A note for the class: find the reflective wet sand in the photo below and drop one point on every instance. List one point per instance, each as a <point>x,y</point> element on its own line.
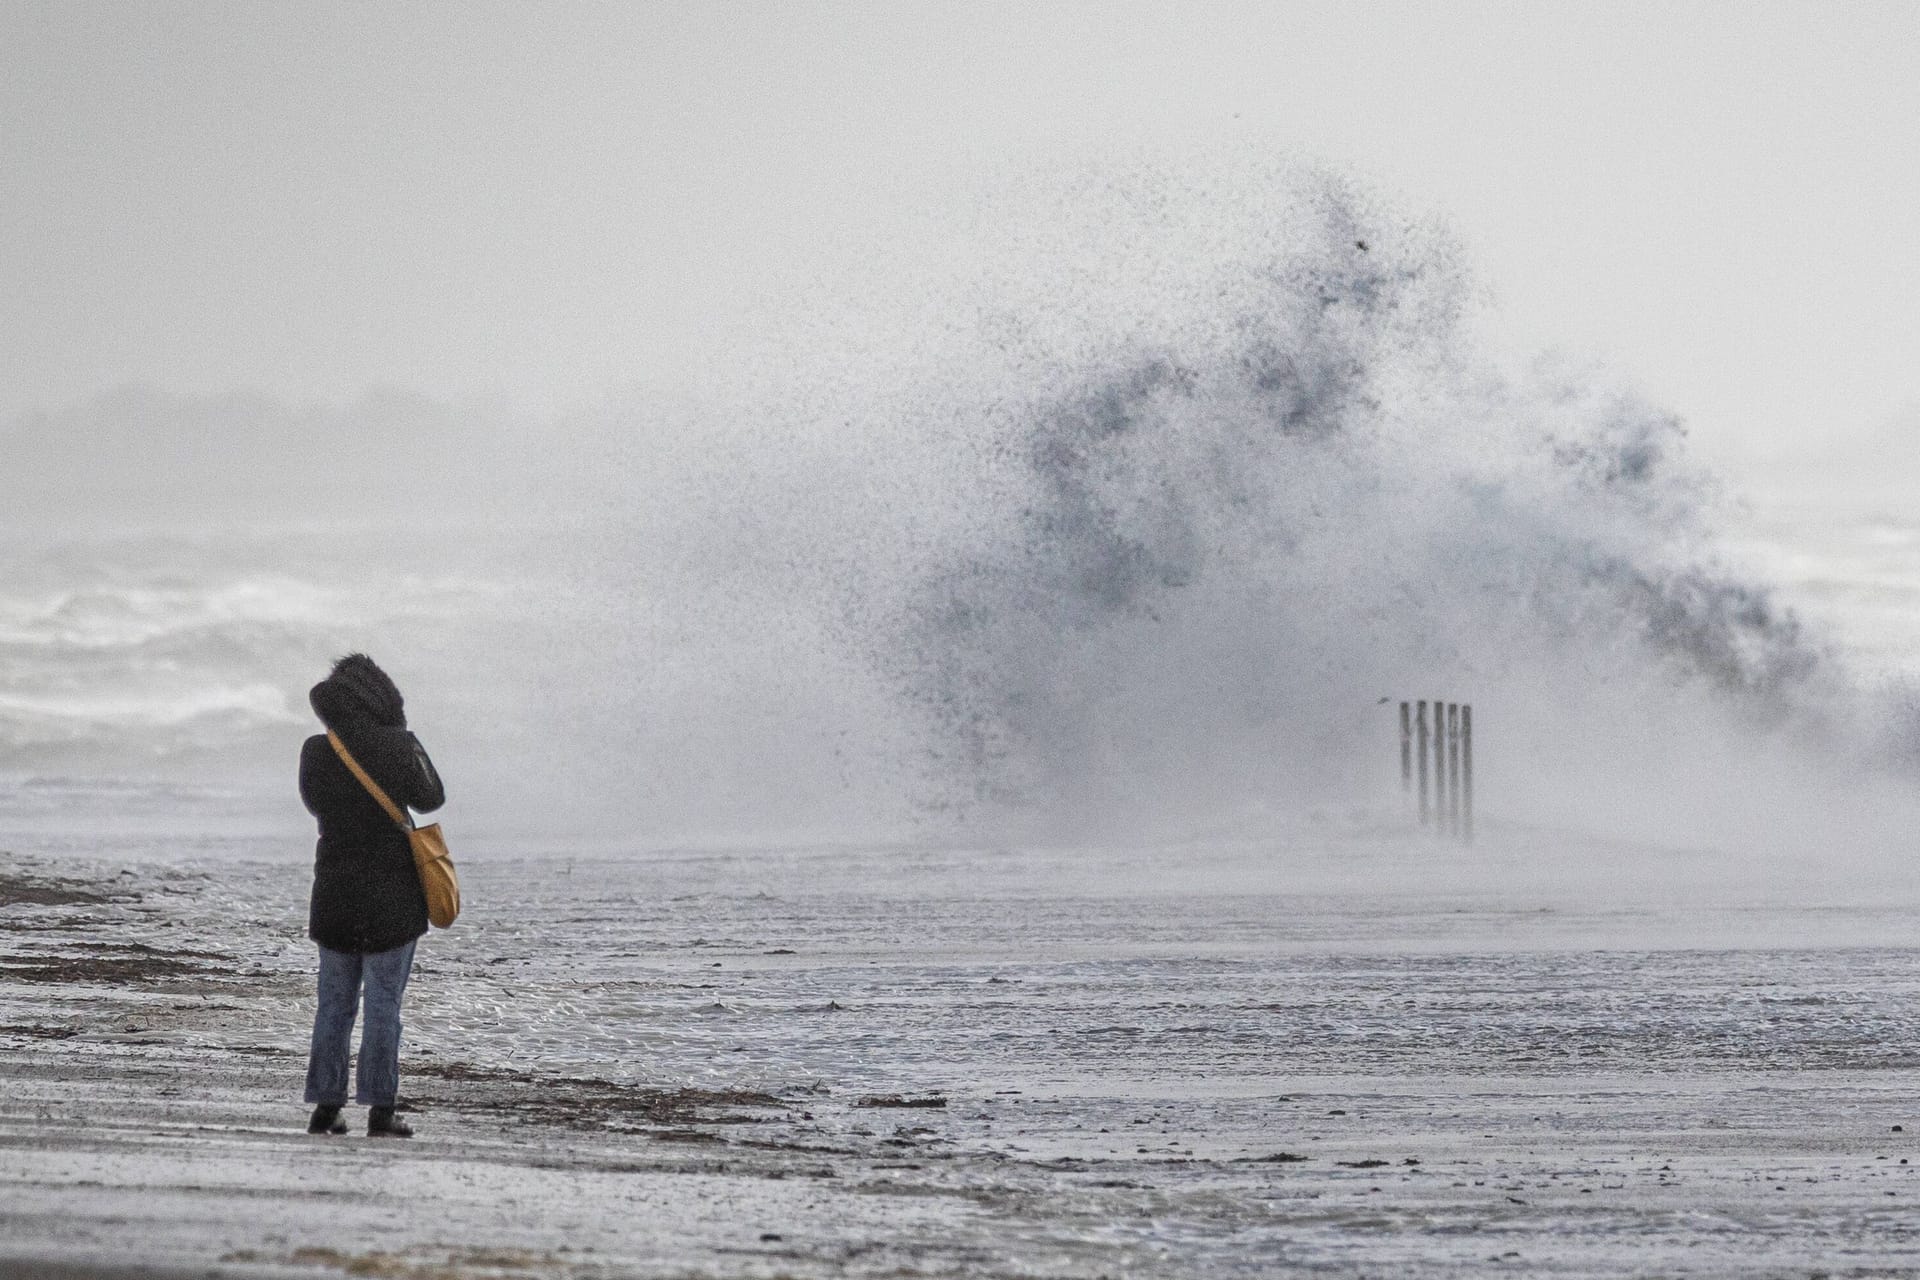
<point>1216,1059</point>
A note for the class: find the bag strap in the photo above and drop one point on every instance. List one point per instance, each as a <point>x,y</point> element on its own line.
<point>366,780</point>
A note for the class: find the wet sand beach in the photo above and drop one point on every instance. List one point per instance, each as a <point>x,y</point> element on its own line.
<point>1214,1060</point>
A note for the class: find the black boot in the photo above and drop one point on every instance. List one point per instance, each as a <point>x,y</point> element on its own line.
<point>326,1119</point>
<point>382,1123</point>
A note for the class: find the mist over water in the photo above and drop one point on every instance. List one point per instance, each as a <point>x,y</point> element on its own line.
<point>1114,508</point>
<point>1133,529</point>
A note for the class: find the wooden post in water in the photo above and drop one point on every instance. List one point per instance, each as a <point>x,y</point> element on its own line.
<point>1406,749</point>
<point>1422,721</point>
<point>1466,772</point>
<point>1453,767</point>
<point>1451,760</point>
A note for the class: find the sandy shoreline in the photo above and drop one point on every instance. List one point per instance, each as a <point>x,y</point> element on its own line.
<point>150,1050</point>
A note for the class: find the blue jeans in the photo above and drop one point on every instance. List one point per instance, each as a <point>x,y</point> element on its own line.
<point>341,974</point>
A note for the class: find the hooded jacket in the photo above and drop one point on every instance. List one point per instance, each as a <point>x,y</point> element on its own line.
<point>366,893</point>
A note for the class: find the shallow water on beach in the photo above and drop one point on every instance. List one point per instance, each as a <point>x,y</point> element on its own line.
<point>1206,979</point>
<point>1178,1060</point>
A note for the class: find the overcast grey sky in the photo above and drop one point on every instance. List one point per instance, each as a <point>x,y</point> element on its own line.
<point>543,201</point>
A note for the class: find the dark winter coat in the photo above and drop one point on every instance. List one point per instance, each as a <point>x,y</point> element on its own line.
<point>366,893</point>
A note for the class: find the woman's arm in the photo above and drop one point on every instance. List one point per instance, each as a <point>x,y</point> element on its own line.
<point>310,752</point>
<point>428,794</point>
<point>400,765</point>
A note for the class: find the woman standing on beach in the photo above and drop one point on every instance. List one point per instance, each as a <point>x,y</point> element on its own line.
<point>368,908</point>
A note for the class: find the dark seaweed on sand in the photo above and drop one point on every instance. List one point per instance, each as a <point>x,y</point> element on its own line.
<point>18,890</point>
<point>594,1103</point>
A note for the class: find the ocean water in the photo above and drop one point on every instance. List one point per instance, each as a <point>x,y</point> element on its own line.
<point>157,680</point>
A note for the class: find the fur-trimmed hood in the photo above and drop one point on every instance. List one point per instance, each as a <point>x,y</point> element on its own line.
<point>358,690</point>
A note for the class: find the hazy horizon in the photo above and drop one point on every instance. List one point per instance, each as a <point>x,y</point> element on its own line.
<point>538,206</point>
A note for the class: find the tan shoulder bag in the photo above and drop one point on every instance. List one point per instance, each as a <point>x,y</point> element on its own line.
<point>430,856</point>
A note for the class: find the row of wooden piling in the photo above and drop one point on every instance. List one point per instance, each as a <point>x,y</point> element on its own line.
<point>1448,742</point>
